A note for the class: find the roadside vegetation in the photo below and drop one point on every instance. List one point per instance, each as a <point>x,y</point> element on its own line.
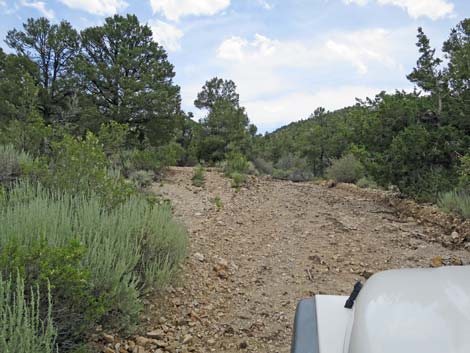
<point>82,240</point>
<point>199,176</point>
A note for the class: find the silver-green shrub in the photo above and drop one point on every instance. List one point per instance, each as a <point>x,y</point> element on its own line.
<point>22,330</point>
<point>457,202</point>
<point>11,161</point>
<point>129,248</point>
<point>347,169</point>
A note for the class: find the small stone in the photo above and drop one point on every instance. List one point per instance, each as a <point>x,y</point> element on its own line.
<point>161,344</point>
<point>243,345</point>
<point>157,334</point>
<point>143,341</point>
<point>330,184</point>
<point>437,261</point>
<point>455,237</point>
<point>108,338</point>
<point>366,274</point>
<point>456,261</point>
<point>138,349</point>
<point>222,264</point>
<point>108,350</point>
<point>222,274</point>
<point>198,256</point>
<point>187,339</point>
<point>211,342</point>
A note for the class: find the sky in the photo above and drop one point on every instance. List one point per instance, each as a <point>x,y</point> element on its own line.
<point>287,57</point>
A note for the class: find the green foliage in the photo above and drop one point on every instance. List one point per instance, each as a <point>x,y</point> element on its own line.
<point>122,53</point>
<point>217,89</point>
<point>52,47</point>
<point>142,179</point>
<point>151,159</point>
<point>28,135</point>
<point>347,169</point>
<point>218,203</point>
<point>123,251</point>
<point>226,128</point>
<point>292,167</point>
<point>12,163</point>
<point>464,172</point>
<point>263,166</point>
<point>57,270</point>
<point>23,326</point>
<point>80,166</point>
<point>236,163</point>
<point>238,179</point>
<point>113,137</point>
<point>170,154</point>
<point>198,178</point>
<point>367,183</point>
<point>18,88</point>
<point>457,202</point>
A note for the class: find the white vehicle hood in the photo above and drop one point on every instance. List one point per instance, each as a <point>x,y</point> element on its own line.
<point>412,311</point>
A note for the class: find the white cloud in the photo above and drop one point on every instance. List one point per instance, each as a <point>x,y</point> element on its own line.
<point>361,47</point>
<point>357,2</point>
<point>274,112</point>
<point>97,7</point>
<point>265,4</point>
<point>174,9</point>
<point>2,3</point>
<point>40,6</point>
<point>434,9</point>
<point>166,35</point>
<point>357,48</point>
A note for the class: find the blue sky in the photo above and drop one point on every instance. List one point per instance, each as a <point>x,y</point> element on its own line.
<point>287,57</point>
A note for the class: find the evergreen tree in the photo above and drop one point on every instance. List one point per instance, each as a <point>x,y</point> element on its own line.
<point>129,78</point>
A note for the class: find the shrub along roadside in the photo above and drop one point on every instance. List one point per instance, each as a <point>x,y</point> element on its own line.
<point>113,256</point>
<point>347,169</point>
<point>457,202</point>
<point>12,163</point>
<point>25,325</point>
<point>236,168</point>
<point>198,178</point>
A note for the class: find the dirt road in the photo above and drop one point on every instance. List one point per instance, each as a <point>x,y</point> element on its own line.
<point>271,244</point>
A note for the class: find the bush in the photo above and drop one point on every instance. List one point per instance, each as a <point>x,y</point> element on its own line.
<point>347,169</point>
<point>152,159</point>
<point>142,179</point>
<point>457,202</point>
<point>170,154</point>
<point>236,163</point>
<point>198,178</point>
<point>367,183</point>
<point>30,135</point>
<point>22,330</point>
<point>127,249</point>
<point>218,203</point>
<point>11,162</point>
<point>293,168</point>
<point>263,166</point>
<point>464,172</point>
<point>57,271</point>
<point>80,166</point>
<point>238,179</point>
<point>112,137</point>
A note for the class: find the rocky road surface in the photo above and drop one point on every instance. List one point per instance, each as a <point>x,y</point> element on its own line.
<point>269,245</point>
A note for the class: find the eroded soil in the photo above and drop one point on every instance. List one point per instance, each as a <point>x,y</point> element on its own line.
<point>271,244</point>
